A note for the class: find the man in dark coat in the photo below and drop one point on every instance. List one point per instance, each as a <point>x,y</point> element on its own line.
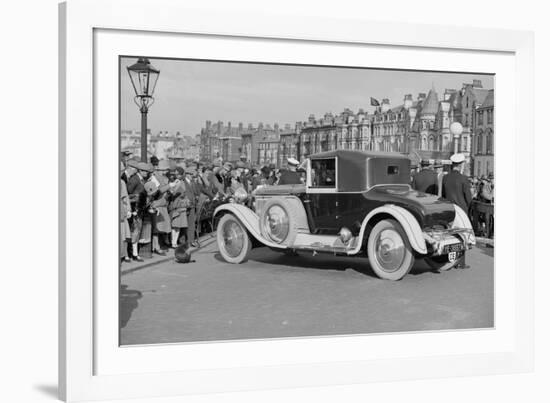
<point>192,192</point>
<point>138,172</point>
<point>290,176</point>
<point>456,187</point>
<point>426,180</point>
<point>240,166</point>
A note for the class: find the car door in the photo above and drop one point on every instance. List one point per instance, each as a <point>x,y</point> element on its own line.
<point>322,196</point>
<point>324,212</point>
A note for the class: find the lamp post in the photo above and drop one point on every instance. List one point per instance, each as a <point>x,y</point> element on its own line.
<point>456,130</point>
<point>144,79</point>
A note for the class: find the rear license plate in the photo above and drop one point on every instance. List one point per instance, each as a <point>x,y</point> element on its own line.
<point>455,247</point>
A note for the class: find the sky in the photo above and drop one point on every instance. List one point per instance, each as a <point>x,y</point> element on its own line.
<point>190,92</point>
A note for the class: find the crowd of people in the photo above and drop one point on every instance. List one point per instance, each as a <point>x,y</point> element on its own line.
<point>161,200</point>
<point>458,188</point>
<point>429,179</point>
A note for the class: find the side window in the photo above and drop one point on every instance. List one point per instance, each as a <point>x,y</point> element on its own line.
<point>323,173</point>
<point>393,170</point>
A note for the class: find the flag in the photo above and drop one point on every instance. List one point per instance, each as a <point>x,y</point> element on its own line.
<point>374,102</point>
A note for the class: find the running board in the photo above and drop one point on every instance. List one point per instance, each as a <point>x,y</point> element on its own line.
<point>323,244</point>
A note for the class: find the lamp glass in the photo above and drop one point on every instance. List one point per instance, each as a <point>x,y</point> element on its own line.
<point>144,77</point>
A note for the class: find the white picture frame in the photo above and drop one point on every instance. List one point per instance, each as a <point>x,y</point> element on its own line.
<point>85,329</point>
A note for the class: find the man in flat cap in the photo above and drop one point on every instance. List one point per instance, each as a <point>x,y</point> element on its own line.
<point>456,187</point>
<point>426,180</point>
<point>290,176</point>
<point>192,194</point>
<point>137,177</point>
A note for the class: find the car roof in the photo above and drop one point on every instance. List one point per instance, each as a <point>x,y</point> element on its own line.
<point>358,155</point>
<point>352,175</point>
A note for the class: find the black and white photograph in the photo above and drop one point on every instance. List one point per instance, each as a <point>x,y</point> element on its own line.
<point>262,200</point>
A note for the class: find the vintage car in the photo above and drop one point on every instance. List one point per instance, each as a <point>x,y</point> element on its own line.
<point>353,203</point>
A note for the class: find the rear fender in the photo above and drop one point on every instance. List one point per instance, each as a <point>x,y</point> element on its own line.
<point>408,222</point>
<point>462,221</point>
<point>249,219</point>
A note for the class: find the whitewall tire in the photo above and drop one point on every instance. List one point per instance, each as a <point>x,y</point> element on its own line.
<point>389,251</point>
<point>234,241</point>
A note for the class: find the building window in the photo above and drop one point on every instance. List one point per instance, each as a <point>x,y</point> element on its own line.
<point>489,143</point>
<point>480,118</point>
<point>490,116</point>
<point>479,143</point>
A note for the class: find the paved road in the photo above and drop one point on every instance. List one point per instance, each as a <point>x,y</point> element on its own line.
<point>273,295</point>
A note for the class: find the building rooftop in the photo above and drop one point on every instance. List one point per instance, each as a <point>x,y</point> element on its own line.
<point>480,94</point>
<point>489,100</point>
<point>431,104</point>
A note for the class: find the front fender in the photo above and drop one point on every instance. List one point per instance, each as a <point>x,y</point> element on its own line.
<point>249,219</point>
<point>408,222</point>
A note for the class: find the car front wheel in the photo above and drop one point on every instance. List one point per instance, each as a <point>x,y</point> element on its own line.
<point>234,241</point>
<point>390,253</point>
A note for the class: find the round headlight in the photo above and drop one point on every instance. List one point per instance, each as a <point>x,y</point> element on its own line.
<point>277,224</point>
<point>240,195</point>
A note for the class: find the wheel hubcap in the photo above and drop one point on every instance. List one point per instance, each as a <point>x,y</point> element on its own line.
<point>390,250</point>
<point>276,224</point>
<point>233,238</point>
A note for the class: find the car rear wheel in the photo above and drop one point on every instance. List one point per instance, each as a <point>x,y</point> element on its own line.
<point>234,241</point>
<point>441,263</point>
<point>390,253</point>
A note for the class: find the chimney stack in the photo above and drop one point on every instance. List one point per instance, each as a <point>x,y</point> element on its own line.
<point>385,105</point>
<point>408,101</point>
<point>448,93</point>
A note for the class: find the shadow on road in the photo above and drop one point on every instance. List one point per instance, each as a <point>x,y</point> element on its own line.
<point>128,302</point>
<point>322,262</point>
<point>487,250</point>
<point>48,390</point>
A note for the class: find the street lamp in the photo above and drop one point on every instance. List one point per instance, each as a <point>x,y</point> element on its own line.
<point>456,130</point>
<point>144,79</point>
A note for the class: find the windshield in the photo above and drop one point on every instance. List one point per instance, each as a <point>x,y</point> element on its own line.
<point>323,173</point>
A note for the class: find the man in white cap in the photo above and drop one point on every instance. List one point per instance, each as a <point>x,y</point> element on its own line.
<point>456,187</point>
<point>290,176</point>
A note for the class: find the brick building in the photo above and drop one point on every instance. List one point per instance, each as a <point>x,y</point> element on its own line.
<point>347,130</point>
<point>483,139</point>
<point>419,128</point>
